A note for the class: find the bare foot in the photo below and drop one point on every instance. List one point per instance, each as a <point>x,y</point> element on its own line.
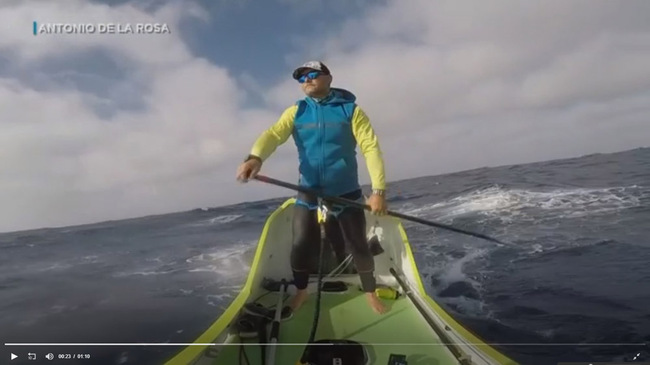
<point>298,299</point>
<point>375,303</point>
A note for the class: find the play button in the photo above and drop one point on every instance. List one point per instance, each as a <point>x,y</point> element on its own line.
<point>13,356</point>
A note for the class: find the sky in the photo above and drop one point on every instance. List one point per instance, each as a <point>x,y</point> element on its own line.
<point>98,127</point>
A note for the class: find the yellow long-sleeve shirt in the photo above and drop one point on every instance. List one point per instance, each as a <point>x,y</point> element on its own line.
<point>363,132</point>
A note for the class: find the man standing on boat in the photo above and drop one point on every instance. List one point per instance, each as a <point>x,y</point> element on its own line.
<point>326,126</point>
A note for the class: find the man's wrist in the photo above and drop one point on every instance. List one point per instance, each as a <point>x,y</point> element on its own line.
<point>380,192</point>
<point>252,157</point>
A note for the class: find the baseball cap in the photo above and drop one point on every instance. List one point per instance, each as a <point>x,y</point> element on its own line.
<point>311,65</point>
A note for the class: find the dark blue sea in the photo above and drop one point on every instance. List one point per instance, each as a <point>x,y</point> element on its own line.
<point>572,285</point>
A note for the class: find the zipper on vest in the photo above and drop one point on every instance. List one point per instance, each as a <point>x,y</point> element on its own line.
<point>321,126</point>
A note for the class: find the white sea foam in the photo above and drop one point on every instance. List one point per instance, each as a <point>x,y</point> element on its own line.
<point>221,219</point>
<point>55,266</point>
<point>448,271</point>
<point>453,271</point>
<point>143,273</point>
<point>511,204</point>
<point>228,262</point>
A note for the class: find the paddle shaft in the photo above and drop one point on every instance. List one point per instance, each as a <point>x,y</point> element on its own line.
<point>275,326</point>
<point>348,202</point>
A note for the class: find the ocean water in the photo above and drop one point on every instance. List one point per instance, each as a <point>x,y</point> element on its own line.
<point>573,284</point>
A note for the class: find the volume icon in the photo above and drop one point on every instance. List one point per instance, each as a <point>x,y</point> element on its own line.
<point>50,356</point>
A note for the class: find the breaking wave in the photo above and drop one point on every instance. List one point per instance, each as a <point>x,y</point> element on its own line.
<point>227,262</point>
<point>522,204</point>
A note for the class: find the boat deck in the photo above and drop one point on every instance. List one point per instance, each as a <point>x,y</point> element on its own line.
<point>401,330</point>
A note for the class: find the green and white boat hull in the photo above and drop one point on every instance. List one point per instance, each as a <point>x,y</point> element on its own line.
<point>414,326</point>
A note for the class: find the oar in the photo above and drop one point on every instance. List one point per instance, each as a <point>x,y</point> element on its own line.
<point>352,203</point>
<point>275,325</point>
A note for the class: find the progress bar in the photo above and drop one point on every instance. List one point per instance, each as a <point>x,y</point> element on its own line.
<point>319,344</point>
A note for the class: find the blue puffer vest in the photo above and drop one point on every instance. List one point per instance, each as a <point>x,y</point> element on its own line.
<point>326,145</point>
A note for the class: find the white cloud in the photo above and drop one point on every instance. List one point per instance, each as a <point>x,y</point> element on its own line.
<point>461,84</point>
<point>448,85</point>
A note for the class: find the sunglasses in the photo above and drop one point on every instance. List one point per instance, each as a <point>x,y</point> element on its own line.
<point>311,76</point>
